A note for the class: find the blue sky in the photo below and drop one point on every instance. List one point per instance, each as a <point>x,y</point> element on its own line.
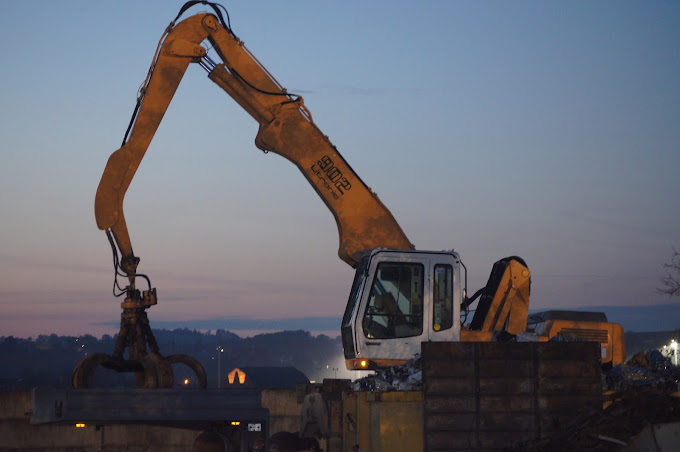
<point>547,130</point>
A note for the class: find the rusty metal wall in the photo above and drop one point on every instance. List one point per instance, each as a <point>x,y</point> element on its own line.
<point>489,396</point>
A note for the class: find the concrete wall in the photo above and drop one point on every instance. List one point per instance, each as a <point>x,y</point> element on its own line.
<point>17,434</point>
<point>284,409</point>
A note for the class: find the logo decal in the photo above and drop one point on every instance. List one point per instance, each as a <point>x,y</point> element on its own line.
<point>331,177</point>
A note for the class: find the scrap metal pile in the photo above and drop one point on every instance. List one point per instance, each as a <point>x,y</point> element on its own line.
<point>406,377</point>
<point>614,427</point>
<point>649,368</point>
<point>643,391</point>
<point>409,376</point>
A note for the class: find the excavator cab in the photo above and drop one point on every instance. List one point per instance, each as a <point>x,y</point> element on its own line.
<point>398,300</point>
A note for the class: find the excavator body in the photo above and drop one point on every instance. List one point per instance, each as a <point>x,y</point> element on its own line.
<point>400,298</point>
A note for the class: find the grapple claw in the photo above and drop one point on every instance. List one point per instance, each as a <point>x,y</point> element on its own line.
<point>194,365</point>
<point>152,371</point>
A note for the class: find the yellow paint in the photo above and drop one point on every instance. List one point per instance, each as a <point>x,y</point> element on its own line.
<point>391,421</point>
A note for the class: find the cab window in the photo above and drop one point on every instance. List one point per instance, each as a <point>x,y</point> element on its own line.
<point>395,307</point>
<point>442,297</point>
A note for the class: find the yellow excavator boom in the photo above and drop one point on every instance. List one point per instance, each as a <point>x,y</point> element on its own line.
<point>285,128</point>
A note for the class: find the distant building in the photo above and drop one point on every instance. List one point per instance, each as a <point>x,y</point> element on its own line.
<point>265,377</point>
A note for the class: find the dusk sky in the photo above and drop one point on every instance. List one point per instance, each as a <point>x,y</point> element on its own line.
<point>548,130</point>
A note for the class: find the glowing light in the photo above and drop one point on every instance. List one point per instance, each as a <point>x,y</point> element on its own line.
<point>234,373</point>
<point>363,363</point>
<point>186,381</point>
<point>235,423</point>
<point>671,351</point>
<point>80,425</point>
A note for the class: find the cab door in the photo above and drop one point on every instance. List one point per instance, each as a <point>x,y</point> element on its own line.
<point>393,317</point>
<point>446,297</point>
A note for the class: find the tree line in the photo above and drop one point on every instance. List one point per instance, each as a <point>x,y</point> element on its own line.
<point>49,360</point>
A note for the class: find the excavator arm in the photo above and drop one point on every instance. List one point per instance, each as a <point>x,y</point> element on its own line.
<point>285,128</point>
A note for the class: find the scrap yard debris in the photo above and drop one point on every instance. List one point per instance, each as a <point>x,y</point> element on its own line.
<point>649,368</point>
<point>640,393</point>
<point>637,395</point>
<point>406,377</point>
<point>617,425</point>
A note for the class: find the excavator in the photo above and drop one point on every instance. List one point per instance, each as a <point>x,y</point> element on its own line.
<point>400,296</point>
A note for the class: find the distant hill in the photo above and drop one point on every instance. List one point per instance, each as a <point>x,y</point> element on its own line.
<point>49,360</point>
<point>637,342</point>
<point>642,318</point>
<point>647,318</point>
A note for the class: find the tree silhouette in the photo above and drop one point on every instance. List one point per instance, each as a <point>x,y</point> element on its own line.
<point>670,282</point>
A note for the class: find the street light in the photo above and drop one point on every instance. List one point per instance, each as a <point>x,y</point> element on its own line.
<point>332,369</point>
<point>220,350</point>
